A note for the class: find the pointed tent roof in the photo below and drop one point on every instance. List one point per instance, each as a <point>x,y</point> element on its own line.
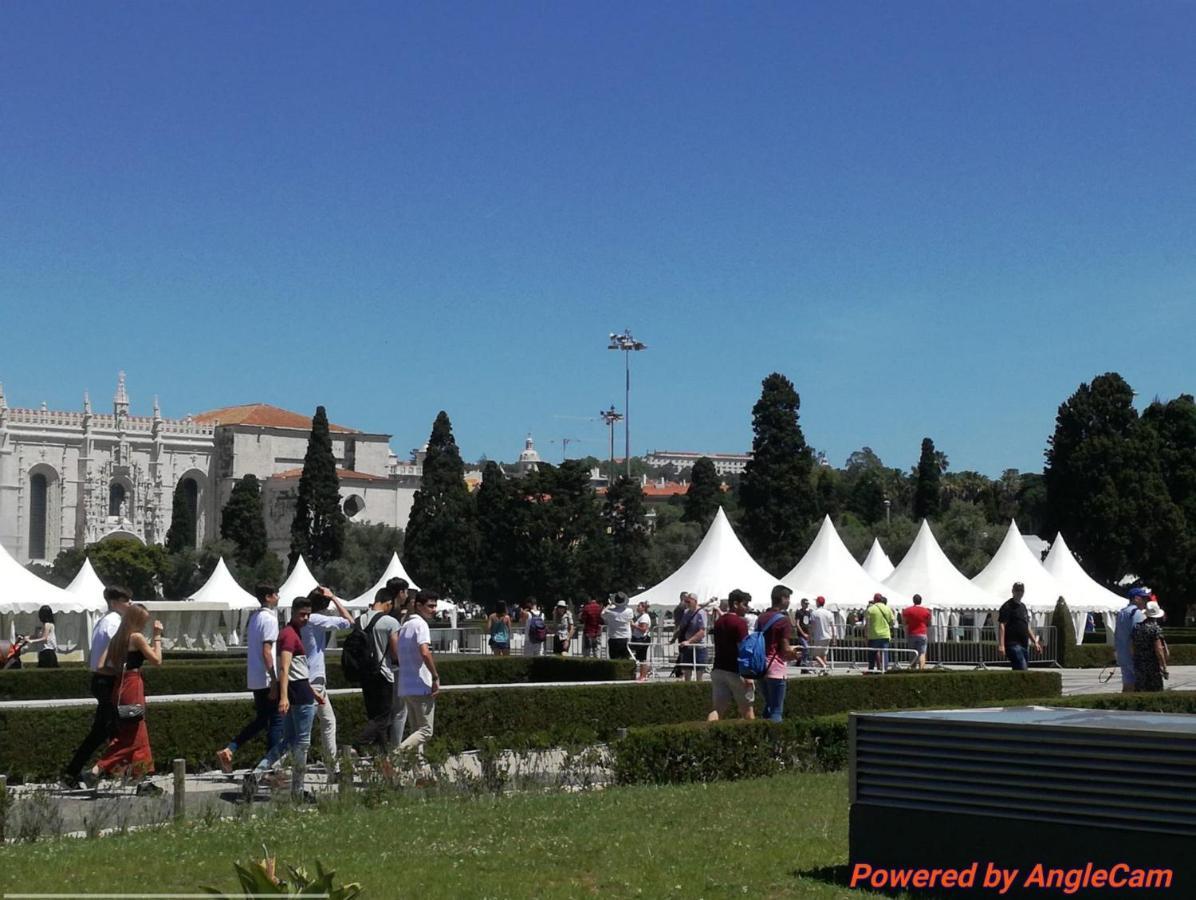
<point>393,570</point>
<point>719,565</point>
<point>926,570</point>
<point>1014,561</point>
<point>877,562</point>
<point>1082,592</point>
<point>221,587</point>
<point>298,584</point>
<point>87,588</point>
<point>829,569</point>
<point>23,592</point>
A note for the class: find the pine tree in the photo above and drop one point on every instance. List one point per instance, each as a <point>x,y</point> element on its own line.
<point>243,523</point>
<point>180,535</point>
<point>776,491</point>
<point>441,539</point>
<point>318,529</point>
<point>629,539</point>
<point>927,487</point>
<point>705,492</point>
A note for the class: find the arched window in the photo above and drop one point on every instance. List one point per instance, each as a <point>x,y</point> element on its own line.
<point>116,500</point>
<point>39,492</point>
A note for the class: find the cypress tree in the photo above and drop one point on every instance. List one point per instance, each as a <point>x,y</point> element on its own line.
<point>493,576</point>
<point>441,539</point>
<point>776,490</point>
<point>927,487</point>
<point>705,492</point>
<point>243,523</point>
<point>318,529</point>
<point>180,535</point>
<point>629,538</point>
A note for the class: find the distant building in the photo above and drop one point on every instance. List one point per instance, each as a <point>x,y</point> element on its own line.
<point>724,463</point>
<point>73,478</point>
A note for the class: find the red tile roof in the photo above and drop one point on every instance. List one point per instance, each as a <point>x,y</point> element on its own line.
<point>342,474</point>
<point>264,415</point>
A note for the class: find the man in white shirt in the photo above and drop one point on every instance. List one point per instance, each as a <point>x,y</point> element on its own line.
<point>618,619</point>
<point>822,631</point>
<point>315,640</point>
<point>419,682</point>
<point>103,726</point>
<point>260,676</point>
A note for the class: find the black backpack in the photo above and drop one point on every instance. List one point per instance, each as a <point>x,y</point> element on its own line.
<point>359,656</point>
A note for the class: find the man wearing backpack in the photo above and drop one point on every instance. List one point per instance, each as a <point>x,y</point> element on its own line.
<point>536,631</point>
<point>377,680</point>
<point>777,630</point>
<point>725,681</point>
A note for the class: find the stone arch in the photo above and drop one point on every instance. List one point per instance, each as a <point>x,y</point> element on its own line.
<point>198,502</point>
<point>44,511</point>
<point>121,534</point>
<point>120,498</point>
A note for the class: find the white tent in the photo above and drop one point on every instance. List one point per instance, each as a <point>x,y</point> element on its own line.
<point>298,584</point>
<point>1014,561</point>
<point>945,590</point>
<point>87,588</point>
<point>221,587</point>
<point>211,618</point>
<point>829,569</point>
<point>22,594</point>
<point>1082,593</point>
<point>877,562</point>
<point>719,565</point>
<point>394,569</point>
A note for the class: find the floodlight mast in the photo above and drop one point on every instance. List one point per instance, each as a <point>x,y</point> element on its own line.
<point>626,343</point>
<point>610,417</point>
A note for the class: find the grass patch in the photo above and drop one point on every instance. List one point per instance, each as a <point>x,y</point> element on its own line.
<point>673,841</point>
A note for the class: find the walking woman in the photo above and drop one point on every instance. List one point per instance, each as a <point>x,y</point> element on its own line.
<point>129,753</point>
<point>47,656</point>
<point>1150,650</point>
<point>499,626</point>
<point>562,626</point>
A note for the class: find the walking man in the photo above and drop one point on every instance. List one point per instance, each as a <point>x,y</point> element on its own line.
<point>1133,613</point>
<point>917,621</point>
<point>377,685</point>
<point>618,618</point>
<point>419,682</point>
<point>801,625</point>
<point>260,676</point>
<point>822,632</point>
<point>315,640</point>
<point>777,630</point>
<point>103,724</point>
<point>726,684</point>
<point>692,634</point>
<point>1013,629</point>
<point>591,627</point>
<point>879,632</point>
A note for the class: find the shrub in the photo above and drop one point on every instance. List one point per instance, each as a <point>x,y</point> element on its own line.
<point>514,717</point>
<point>1065,632</point>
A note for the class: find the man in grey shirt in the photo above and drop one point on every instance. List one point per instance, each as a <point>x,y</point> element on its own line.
<point>377,688</point>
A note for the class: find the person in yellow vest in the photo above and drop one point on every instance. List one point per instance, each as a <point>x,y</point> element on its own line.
<point>879,619</point>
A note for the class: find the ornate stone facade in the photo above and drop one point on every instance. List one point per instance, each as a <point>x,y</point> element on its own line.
<point>72,478</point>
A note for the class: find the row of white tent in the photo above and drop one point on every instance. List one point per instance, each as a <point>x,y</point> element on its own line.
<point>721,563</point>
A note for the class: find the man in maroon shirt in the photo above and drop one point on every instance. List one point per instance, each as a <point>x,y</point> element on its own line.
<point>591,628</point>
<point>730,629</point>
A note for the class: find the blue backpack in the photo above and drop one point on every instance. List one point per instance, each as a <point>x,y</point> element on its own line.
<point>753,662</point>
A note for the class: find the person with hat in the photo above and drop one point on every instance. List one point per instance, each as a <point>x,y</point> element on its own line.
<point>1130,615</point>
<point>822,633</point>
<point>618,618</point>
<point>563,630</point>
<point>1149,649</point>
<point>1013,629</point>
<point>879,619</point>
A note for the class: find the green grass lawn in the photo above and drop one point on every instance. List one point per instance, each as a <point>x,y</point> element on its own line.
<point>747,838</point>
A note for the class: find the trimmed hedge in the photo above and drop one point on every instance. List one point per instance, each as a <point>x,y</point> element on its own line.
<point>1097,656</point>
<point>224,676</point>
<point>511,716</point>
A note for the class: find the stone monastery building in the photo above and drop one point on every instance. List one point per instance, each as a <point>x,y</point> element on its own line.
<point>73,478</point>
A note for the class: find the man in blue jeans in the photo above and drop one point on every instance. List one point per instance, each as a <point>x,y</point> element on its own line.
<point>777,630</point>
<point>261,676</point>
<point>1013,630</point>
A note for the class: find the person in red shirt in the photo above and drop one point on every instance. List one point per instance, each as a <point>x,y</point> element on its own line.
<point>729,631</point>
<point>591,628</point>
<point>778,629</point>
<point>917,622</point>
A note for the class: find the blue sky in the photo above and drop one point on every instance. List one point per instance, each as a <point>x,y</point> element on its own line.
<point>936,218</point>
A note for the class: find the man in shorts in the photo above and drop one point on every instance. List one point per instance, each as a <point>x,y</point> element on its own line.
<point>917,623</point>
<point>725,681</point>
<point>822,633</point>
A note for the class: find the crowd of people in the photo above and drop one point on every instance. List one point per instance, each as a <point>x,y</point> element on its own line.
<point>390,648</point>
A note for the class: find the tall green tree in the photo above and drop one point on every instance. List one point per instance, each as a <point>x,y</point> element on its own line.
<point>498,519</point>
<point>243,522</point>
<point>927,490</point>
<point>318,529</point>
<point>777,491</point>
<point>1104,483</point>
<point>180,535</point>
<point>705,492</point>
<point>1172,427</point>
<point>828,493</point>
<point>630,541</point>
<point>368,549</point>
<point>441,539</point>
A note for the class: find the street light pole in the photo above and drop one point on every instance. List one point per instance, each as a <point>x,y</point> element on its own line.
<point>627,344</point>
<point>610,417</point>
